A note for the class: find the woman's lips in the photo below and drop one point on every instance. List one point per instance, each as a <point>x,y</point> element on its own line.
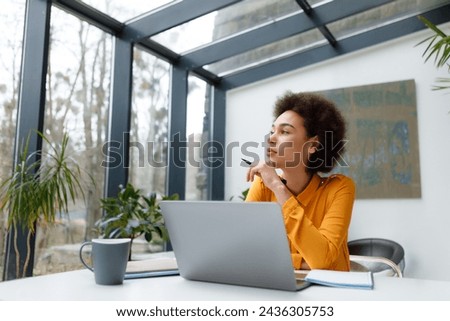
<point>271,152</point>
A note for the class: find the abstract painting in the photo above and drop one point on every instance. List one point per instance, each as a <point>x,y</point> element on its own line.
<point>382,152</point>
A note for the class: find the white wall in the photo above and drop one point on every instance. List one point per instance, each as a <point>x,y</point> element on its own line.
<point>422,225</point>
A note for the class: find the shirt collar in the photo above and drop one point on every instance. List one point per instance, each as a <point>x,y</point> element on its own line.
<point>307,194</point>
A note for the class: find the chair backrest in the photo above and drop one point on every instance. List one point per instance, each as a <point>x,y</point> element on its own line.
<point>378,255</point>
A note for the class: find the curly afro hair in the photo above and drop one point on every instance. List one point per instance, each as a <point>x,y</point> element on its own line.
<point>322,119</point>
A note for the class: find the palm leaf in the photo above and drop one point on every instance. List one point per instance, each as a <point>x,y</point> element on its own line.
<point>439,48</point>
<point>41,185</point>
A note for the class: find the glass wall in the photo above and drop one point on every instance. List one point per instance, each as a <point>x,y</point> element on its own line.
<point>77,100</point>
<point>126,10</point>
<point>197,133</point>
<point>148,134</point>
<point>149,130</point>
<point>11,23</point>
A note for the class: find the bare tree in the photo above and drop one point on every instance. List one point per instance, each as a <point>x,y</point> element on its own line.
<point>149,121</point>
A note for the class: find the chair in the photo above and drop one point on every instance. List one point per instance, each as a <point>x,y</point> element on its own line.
<point>381,256</point>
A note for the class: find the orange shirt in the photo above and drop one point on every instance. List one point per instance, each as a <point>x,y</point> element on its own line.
<point>316,221</point>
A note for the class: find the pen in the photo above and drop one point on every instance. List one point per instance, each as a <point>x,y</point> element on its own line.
<point>284,181</point>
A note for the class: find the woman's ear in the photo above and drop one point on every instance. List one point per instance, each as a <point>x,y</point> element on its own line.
<point>313,144</point>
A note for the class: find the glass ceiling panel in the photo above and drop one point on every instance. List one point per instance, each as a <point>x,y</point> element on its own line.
<point>226,22</point>
<point>189,35</point>
<point>125,10</point>
<point>273,51</point>
<point>382,15</point>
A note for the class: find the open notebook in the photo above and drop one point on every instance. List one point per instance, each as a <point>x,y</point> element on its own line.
<point>163,265</point>
<point>238,243</point>
<point>355,280</point>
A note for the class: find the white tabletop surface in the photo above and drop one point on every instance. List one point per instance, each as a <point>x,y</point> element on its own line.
<point>80,285</point>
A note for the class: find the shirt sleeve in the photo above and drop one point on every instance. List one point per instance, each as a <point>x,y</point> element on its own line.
<point>319,238</point>
<point>258,192</point>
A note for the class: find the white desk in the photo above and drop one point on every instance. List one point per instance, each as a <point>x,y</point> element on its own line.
<point>80,285</point>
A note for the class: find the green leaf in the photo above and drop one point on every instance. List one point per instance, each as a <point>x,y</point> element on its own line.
<point>139,214</point>
<point>41,185</point>
<point>439,48</point>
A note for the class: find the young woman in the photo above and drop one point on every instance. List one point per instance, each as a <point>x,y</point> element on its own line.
<point>307,138</point>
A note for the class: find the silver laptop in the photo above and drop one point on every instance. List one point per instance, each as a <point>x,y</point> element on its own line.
<point>231,242</point>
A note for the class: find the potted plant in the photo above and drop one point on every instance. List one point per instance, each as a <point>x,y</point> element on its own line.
<point>439,48</point>
<point>243,195</point>
<point>39,188</point>
<point>131,214</point>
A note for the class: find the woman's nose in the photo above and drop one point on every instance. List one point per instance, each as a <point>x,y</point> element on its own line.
<point>272,138</point>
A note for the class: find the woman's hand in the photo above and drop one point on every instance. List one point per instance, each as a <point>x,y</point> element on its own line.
<point>270,179</point>
<point>266,172</point>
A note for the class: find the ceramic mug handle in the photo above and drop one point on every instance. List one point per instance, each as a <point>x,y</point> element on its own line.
<point>81,255</point>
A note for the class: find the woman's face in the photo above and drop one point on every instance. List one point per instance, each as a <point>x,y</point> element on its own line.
<point>289,145</point>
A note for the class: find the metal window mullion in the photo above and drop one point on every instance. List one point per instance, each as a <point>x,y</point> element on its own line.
<point>346,45</point>
<point>118,138</point>
<point>275,31</point>
<point>217,130</point>
<point>177,153</point>
<point>30,112</point>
